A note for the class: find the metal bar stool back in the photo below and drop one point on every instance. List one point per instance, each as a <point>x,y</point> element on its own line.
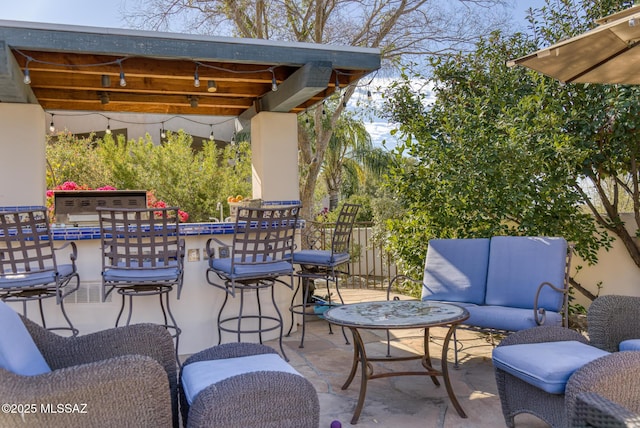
<point>28,267</point>
<point>324,265</point>
<point>259,256</point>
<point>142,255</point>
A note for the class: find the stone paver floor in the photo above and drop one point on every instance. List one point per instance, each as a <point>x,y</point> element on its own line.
<point>399,402</point>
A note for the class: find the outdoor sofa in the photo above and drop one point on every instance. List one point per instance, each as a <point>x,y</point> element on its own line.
<point>507,283</point>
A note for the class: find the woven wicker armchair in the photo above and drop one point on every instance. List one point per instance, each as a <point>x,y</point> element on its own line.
<point>613,319</point>
<point>593,410</point>
<point>125,376</point>
<point>612,377</point>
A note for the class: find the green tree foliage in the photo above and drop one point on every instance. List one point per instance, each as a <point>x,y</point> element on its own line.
<point>195,181</point>
<point>487,157</point>
<point>409,28</point>
<point>510,151</point>
<point>69,157</point>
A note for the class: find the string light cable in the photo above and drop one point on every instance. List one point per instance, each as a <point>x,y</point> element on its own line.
<point>162,122</point>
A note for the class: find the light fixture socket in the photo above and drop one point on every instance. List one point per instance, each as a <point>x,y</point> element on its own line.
<point>104,97</point>
<point>106,81</point>
<point>212,86</point>
<point>193,101</point>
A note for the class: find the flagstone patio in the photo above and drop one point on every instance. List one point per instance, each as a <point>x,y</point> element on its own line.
<point>399,402</point>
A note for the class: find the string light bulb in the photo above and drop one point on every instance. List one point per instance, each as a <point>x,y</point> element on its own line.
<point>369,95</point>
<point>27,75</point>
<point>274,82</point>
<point>196,78</point>
<point>108,130</point>
<point>163,133</point>
<point>211,137</point>
<point>123,81</point>
<point>337,83</point>
<point>52,127</point>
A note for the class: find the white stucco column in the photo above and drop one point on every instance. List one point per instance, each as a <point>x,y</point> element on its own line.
<point>274,156</point>
<point>23,159</point>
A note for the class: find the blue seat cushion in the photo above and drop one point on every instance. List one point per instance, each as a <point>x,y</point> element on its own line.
<point>248,270</point>
<point>517,267</point>
<point>26,279</point>
<point>18,352</point>
<point>630,345</point>
<point>320,258</point>
<point>456,270</point>
<point>547,365</point>
<point>169,273</point>
<point>506,318</point>
<point>202,374</point>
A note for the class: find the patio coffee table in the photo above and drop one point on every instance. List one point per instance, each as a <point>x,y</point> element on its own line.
<point>394,315</point>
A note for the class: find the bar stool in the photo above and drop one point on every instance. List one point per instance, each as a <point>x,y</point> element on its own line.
<point>143,255</point>
<point>260,255</point>
<point>28,267</point>
<point>325,265</point>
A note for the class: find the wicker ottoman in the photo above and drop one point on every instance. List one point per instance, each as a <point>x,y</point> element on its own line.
<point>245,385</point>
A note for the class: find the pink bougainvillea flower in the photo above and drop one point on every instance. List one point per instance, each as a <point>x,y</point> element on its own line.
<point>68,185</point>
<point>183,216</point>
<point>106,188</point>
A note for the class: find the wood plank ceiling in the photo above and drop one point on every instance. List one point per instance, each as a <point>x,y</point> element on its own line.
<point>79,69</point>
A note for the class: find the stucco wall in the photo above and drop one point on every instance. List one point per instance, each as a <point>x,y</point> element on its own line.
<point>274,156</point>
<point>615,269</point>
<point>22,145</point>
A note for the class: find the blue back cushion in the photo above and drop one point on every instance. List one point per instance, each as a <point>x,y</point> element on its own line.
<point>519,264</point>
<point>456,270</point>
<point>18,352</point>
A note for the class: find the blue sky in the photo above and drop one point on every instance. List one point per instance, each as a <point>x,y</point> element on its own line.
<point>108,13</point>
<point>103,13</point>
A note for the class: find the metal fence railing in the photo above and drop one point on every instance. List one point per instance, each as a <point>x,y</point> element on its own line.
<point>371,266</point>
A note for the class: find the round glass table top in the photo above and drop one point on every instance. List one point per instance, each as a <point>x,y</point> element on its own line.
<point>396,314</point>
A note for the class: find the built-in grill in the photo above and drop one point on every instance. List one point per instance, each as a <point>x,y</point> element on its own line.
<point>78,207</point>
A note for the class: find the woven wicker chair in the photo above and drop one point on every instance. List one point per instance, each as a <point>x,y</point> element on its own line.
<point>119,377</point>
<point>593,410</point>
<point>272,396</point>
<point>613,376</point>
<point>29,270</point>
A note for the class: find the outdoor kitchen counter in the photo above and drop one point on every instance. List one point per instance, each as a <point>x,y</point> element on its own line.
<point>199,302</point>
